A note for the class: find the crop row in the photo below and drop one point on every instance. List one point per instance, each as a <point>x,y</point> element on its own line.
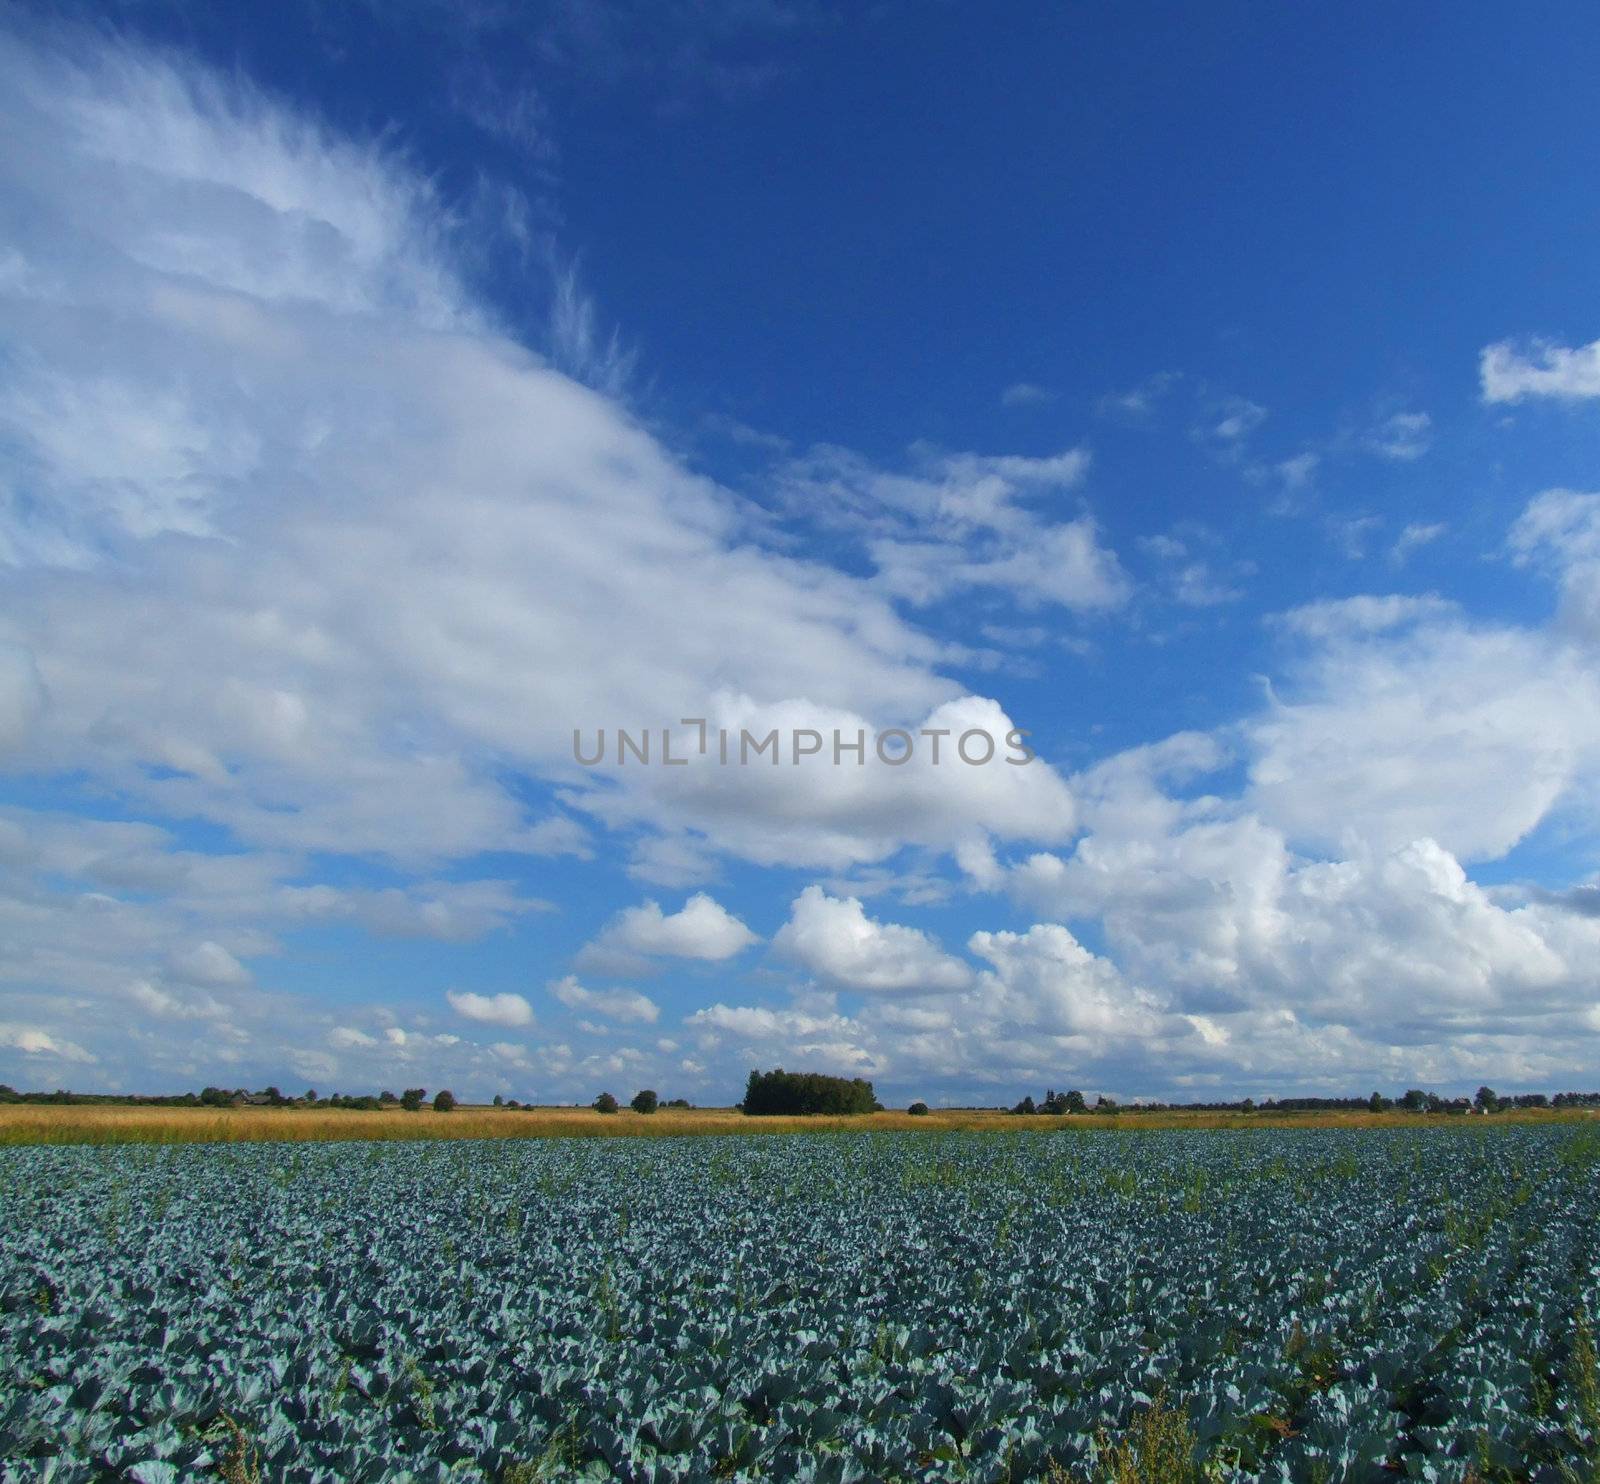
<point>1342,1304</point>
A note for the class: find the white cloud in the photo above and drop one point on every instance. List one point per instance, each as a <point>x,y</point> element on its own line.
<point>836,815</point>
<point>32,1041</point>
<point>1239,418</point>
<point>1193,580</point>
<point>1332,618</point>
<point>493,1009</point>
<point>345,1037</point>
<point>626,1005</point>
<point>1137,403</point>
<point>1435,730</point>
<point>834,938</point>
<point>251,342</point>
<point>1402,436</point>
<point>1546,370</point>
<point>1226,425</point>
<point>1382,964</point>
<point>1413,538</point>
<point>1560,531</point>
<point>961,521</point>
<point>211,966</point>
<point>1298,472</point>
<point>702,929</point>
<point>1026,394</point>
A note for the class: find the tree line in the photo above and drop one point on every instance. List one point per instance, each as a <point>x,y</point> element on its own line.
<point>1414,1100</point>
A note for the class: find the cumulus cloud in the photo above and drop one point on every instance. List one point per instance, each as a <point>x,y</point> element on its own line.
<point>702,929</point>
<point>1395,947</point>
<point>492,1009</point>
<point>834,938</point>
<point>1405,722</point>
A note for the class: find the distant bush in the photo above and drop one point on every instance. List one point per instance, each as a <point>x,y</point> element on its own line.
<point>411,1098</point>
<point>644,1102</point>
<point>679,1103</point>
<point>917,1110</point>
<point>779,1092</point>
<point>444,1101</point>
<point>605,1103</point>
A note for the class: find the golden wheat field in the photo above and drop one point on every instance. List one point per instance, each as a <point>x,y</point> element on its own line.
<point>25,1123</point>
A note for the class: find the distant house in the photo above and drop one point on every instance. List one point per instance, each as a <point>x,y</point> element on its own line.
<point>254,1100</point>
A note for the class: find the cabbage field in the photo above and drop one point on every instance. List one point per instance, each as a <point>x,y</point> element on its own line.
<point>1318,1304</point>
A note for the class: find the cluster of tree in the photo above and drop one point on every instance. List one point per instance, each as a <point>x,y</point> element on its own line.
<point>780,1092</point>
<point>1058,1103</point>
<point>643,1101</point>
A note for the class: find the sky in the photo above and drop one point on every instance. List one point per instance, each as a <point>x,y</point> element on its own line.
<point>1197,410</point>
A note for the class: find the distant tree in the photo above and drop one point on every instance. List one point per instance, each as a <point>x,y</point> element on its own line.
<point>1486,1100</point>
<point>512,1103</point>
<point>411,1098</point>
<point>387,1097</point>
<point>781,1092</point>
<point>1075,1102</point>
<point>1248,1106</point>
<point>679,1103</point>
<point>444,1101</point>
<point>1415,1100</point>
<point>918,1110</point>
<point>1103,1104</point>
<point>1378,1103</point>
<point>645,1101</point>
<point>311,1095</point>
<point>499,1101</point>
<point>1026,1105</point>
<point>605,1103</point>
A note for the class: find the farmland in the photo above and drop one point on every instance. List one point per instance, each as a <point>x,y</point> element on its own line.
<point>1338,1303</point>
<point>123,1124</point>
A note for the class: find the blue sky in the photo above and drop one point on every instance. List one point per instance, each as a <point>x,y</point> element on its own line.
<point>387,392</point>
